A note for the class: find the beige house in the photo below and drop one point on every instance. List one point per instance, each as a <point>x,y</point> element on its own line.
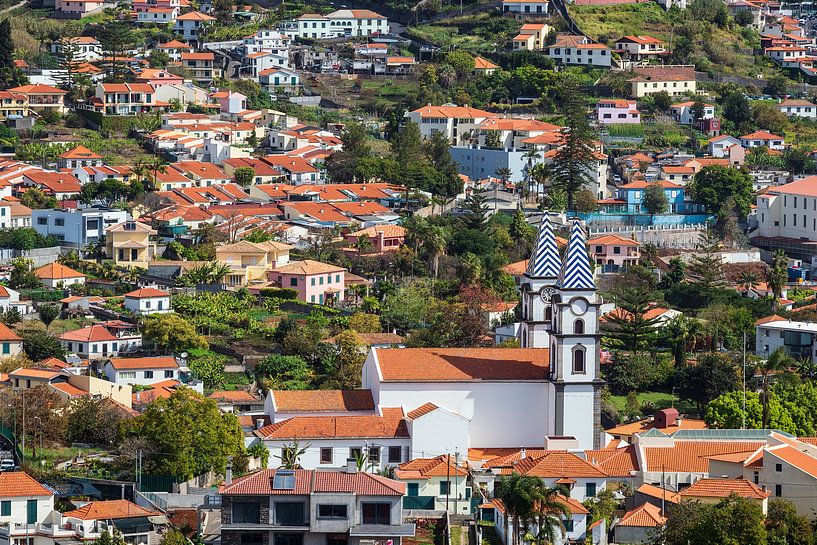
<point>677,80</point>
<point>250,262</point>
<point>11,344</point>
<point>129,245</point>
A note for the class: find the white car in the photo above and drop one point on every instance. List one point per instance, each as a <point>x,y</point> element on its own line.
<point>7,465</point>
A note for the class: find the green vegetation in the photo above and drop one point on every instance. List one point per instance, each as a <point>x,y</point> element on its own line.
<point>608,23</point>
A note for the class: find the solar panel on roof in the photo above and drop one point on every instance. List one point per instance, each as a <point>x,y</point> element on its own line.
<point>284,479</point>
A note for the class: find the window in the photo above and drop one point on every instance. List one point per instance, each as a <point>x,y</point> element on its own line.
<point>374,455</point>
<point>376,513</point>
<point>578,327</point>
<point>778,468</point>
<point>778,490</point>
<point>289,539</point>
<point>148,374</point>
<point>578,360</point>
<point>312,281</point>
<point>59,222</point>
<point>395,455</point>
<point>42,221</point>
<point>337,278</point>
<point>331,511</point>
<point>293,281</point>
<point>6,348</point>
<point>5,508</point>
<point>127,374</point>
<point>568,524</point>
<point>326,455</point>
<point>590,490</point>
<point>289,513</point>
<point>355,452</point>
<point>247,512</point>
<point>445,487</point>
<point>320,280</point>
<point>169,373</point>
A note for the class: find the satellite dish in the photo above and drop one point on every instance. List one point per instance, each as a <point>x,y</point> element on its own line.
<point>183,354</point>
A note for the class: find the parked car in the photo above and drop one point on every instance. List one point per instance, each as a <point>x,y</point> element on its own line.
<point>7,464</point>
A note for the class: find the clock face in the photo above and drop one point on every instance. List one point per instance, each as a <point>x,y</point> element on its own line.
<point>578,306</point>
<point>546,293</point>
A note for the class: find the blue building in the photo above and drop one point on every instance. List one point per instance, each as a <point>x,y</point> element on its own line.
<point>479,163</point>
<point>630,198</point>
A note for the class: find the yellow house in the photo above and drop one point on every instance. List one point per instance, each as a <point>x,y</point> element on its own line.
<point>250,262</point>
<point>129,245</point>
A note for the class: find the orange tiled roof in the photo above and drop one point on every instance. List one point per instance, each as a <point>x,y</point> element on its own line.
<point>8,334</point>
<point>15,484</point>
<point>57,271</point>
<point>658,492</point>
<point>481,63</point>
<point>422,410</point>
<point>390,424</point>
<point>34,372</point>
<point>792,456</point>
<point>144,293</point>
<point>645,516</point>
<point>109,510</point>
<point>307,267</point>
<point>69,389</point>
<point>232,395</point>
<point>722,488</point>
<point>323,400</point>
<point>424,468</point>
<point>613,239</point>
<point>157,362</point>
<point>618,462</point>
<point>462,364</point>
<point>94,333</point>
<point>692,456</point>
<point>556,464</point>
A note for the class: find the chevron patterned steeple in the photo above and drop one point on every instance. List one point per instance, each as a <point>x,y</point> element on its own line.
<point>576,273</point>
<point>545,261</point>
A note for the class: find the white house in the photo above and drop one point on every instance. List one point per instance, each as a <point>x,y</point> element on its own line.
<point>147,301</point>
<point>141,371</point>
<point>275,79</point>
<point>682,112</point>
<point>11,344</point>
<point>796,338</point>
<point>97,341</point>
<point>439,483</point>
<point>54,275</point>
<point>763,138</point>
<point>24,505</point>
<point>458,123</point>
<point>718,146</point>
<point>525,6</point>
<point>338,24</point>
<point>579,50</point>
<point>190,24</point>
<point>798,108</point>
<point>76,227</point>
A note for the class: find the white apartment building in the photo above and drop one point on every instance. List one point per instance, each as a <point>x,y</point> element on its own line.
<point>338,24</point>
<point>683,112</point>
<point>459,123</point>
<point>797,338</point>
<point>78,227</point>
<point>789,211</point>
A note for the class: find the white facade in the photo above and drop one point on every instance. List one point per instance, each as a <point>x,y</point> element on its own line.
<point>338,24</point>
<point>682,113</point>
<point>143,376</point>
<point>798,108</point>
<point>78,227</point>
<point>333,453</point>
<point>525,6</point>
<point>148,305</point>
<point>789,211</point>
<point>797,338</point>
<point>25,514</point>
<point>719,145</point>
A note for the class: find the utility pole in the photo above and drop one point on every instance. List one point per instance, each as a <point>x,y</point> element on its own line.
<point>456,483</point>
<point>447,480</point>
<point>663,489</point>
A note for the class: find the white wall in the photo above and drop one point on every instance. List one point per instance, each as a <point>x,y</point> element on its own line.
<point>439,432</point>
<point>312,457</point>
<point>148,305</point>
<point>116,376</point>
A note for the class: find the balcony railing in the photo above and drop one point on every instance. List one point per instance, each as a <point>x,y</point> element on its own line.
<point>418,502</point>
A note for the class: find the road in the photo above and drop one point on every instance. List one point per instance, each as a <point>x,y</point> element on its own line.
<point>15,6</point>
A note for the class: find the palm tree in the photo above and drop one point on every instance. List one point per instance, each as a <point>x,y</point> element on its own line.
<point>747,281</point>
<point>434,243</point>
<point>777,275</point>
<point>362,244</point>
<point>540,173</point>
<point>492,140</point>
<point>140,169</point>
<point>157,165</point>
<point>550,509</point>
<point>779,360</point>
<point>519,494</point>
<point>291,454</point>
<point>531,156</point>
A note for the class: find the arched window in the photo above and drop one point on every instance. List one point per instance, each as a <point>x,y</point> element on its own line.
<point>548,314</point>
<point>578,360</point>
<point>578,327</point>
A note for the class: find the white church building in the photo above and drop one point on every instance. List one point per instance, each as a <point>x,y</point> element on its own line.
<point>424,402</point>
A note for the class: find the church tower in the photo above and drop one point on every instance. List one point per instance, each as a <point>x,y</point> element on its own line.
<point>574,346</point>
<point>538,287</point>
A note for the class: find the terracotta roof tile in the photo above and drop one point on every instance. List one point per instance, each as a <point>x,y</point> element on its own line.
<point>391,424</point>
<point>424,468</point>
<point>658,492</point>
<point>422,410</point>
<point>94,333</point>
<point>462,364</point>
<point>323,400</point>
<point>110,509</point>
<point>157,362</point>
<point>645,516</point>
<point>233,395</point>
<point>692,456</point>
<point>57,271</point>
<point>144,293</point>
<point>15,484</point>
<point>722,488</point>
<point>8,334</point>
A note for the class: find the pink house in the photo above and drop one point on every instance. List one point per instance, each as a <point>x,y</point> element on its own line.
<point>78,8</point>
<point>616,110</point>
<point>383,238</point>
<point>613,252</point>
<point>316,282</point>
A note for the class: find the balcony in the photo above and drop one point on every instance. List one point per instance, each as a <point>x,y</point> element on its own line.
<point>383,530</point>
<point>419,502</point>
<point>17,529</point>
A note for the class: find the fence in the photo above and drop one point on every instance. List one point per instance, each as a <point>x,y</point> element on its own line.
<point>418,502</point>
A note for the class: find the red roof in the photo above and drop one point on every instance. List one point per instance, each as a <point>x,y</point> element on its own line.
<point>322,400</point>
<point>38,89</point>
<point>261,482</point>
<point>391,424</point>
<point>156,362</point>
<point>80,152</point>
<point>7,334</point>
<point>18,484</point>
<point>109,510</point>
<point>425,468</point>
<point>462,364</point>
<point>144,293</point>
<point>57,271</point>
<point>94,333</point>
<point>645,516</point>
<point>806,186</point>
<point>723,488</point>
<point>761,135</point>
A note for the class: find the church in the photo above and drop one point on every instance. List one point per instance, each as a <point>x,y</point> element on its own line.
<point>422,402</point>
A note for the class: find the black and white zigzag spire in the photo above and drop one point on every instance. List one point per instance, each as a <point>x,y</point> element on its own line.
<point>545,261</point>
<point>576,273</point>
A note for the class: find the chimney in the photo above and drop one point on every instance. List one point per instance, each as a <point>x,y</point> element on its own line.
<point>522,453</point>
<point>351,465</point>
<point>138,396</point>
<point>259,423</point>
<point>228,475</point>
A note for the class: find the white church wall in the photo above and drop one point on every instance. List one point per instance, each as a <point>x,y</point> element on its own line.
<point>439,432</point>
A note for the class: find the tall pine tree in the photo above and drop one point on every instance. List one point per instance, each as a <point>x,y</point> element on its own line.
<point>706,267</point>
<point>574,163</point>
<point>628,327</point>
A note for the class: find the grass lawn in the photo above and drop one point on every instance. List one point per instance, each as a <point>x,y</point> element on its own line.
<point>661,400</point>
<point>456,534</point>
<point>612,22</point>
